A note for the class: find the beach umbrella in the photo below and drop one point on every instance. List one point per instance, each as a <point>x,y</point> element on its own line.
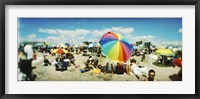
<point>91,45</point>
<point>67,44</point>
<point>82,45</point>
<point>164,52</point>
<point>59,51</point>
<point>46,43</point>
<point>66,47</point>
<point>98,45</point>
<point>52,45</point>
<point>39,44</point>
<point>177,62</point>
<point>87,43</point>
<point>115,47</point>
<point>94,44</point>
<point>169,47</point>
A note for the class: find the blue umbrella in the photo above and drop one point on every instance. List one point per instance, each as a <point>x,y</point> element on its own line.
<point>67,44</point>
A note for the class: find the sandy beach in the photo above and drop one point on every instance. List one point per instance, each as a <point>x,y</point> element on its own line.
<point>48,73</point>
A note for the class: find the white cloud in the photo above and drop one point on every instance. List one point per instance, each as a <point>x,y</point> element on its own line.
<point>145,38</point>
<point>77,35</point>
<point>31,36</point>
<point>123,30</point>
<point>180,30</point>
<point>153,40</point>
<point>49,31</point>
<point>173,43</point>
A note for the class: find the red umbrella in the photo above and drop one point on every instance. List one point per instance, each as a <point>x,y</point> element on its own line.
<point>59,51</point>
<point>178,62</point>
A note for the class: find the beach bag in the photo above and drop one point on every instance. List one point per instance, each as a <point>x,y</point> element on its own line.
<point>82,70</point>
<point>96,71</point>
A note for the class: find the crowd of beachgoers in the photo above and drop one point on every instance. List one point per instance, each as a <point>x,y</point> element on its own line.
<point>89,60</point>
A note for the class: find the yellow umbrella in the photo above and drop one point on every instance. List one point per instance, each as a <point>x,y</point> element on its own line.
<point>59,51</point>
<point>47,43</point>
<point>66,47</point>
<point>165,52</point>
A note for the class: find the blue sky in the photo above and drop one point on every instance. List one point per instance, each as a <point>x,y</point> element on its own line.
<point>75,30</point>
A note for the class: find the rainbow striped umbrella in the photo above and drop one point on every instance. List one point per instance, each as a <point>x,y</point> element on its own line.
<point>115,47</point>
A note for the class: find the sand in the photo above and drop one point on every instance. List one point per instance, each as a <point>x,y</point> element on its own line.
<point>48,73</point>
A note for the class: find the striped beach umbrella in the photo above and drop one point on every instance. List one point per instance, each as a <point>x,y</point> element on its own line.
<point>59,51</point>
<point>115,47</point>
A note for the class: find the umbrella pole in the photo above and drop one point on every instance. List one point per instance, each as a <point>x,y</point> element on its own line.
<point>163,59</point>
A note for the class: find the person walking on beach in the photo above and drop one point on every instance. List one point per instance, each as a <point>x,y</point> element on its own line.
<point>28,51</point>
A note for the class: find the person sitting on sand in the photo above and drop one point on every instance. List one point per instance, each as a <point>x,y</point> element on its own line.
<point>46,62</point>
<point>71,58</point>
<point>59,63</point>
<point>103,68</point>
<point>143,57</point>
<point>151,76</point>
<point>109,68</point>
<point>90,60</point>
<point>96,61</point>
<point>138,71</point>
<point>77,52</point>
<point>134,68</point>
<point>128,69</point>
<point>119,68</point>
<point>88,65</point>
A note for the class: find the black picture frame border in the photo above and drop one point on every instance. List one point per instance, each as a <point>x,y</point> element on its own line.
<point>3,3</point>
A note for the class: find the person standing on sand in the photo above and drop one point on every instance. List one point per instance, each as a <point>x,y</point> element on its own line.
<point>28,51</point>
